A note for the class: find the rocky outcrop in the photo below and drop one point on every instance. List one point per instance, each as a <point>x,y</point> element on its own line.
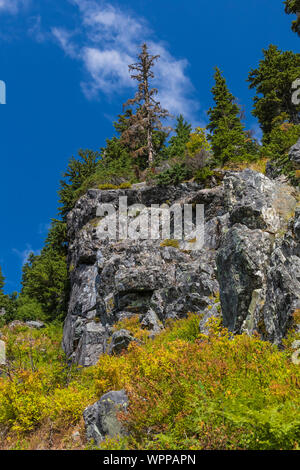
<point>101,419</point>
<point>250,255</point>
<point>258,260</point>
<point>113,280</point>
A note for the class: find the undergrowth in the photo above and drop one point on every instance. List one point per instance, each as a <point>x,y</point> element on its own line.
<point>186,390</point>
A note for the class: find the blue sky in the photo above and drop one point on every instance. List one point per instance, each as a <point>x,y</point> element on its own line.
<point>65,67</point>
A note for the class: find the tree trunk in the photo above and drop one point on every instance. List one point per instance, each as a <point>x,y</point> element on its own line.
<point>150,147</point>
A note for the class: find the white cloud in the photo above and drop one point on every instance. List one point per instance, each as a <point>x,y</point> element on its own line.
<point>24,254</point>
<point>12,6</point>
<point>108,40</point>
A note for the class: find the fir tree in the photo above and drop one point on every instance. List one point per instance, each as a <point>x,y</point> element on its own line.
<point>45,278</point>
<point>79,169</point>
<point>7,302</point>
<point>272,81</point>
<point>177,143</point>
<point>142,124</point>
<point>293,7</point>
<point>227,131</point>
<point>2,281</point>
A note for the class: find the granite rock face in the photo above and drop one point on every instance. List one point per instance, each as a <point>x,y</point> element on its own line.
<point>258,260</point>
<point>250,255</point>
<point>115,279</point>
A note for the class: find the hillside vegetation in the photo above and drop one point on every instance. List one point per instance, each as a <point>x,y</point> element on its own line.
<point>186,391</point>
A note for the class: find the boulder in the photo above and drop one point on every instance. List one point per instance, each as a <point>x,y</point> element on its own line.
<point>120,341</point>
<point>101,418</point>
<point>294,155</point>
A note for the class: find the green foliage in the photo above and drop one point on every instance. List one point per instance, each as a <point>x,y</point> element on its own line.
<point>76,174</point>
<point>38,386</point>
<point>229,141</point>
<point>293,7</point>
<point>272,81</point>
<point>177,143</point>
<point>29,309</point>
<point>203,174</point>
<point>197,142</point>
<point>2,280</point>
<point>108,186</point>
<point>282,138</point>
<point>45,277</point>
<point>7,302</point>
<point>173,176</point>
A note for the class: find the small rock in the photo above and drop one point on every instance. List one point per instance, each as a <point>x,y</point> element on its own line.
<point>15,323</point>
<point>35,324</point>
<point>120,341</point>
<point>101,419</point>
<point>213,311</point>
<point>76,436</point>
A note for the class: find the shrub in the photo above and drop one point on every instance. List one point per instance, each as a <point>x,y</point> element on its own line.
<point>173,243</point>
<point>173,176</point>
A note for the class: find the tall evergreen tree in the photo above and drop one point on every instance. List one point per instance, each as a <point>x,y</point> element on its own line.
<point>148,111</point>
<point>272,81</point>
<point>45,278</point>
<point>2,280</point>
<point>293,7</point>
<point>177,143</point>
<point>226,129</point>
<point>7,302</point>
<point>79,169</point>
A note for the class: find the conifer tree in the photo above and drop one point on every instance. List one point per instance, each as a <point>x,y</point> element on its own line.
<point>2,280</point>
<point>148,111</point>
<point>7,302</point>
<point>78,170</point>
<point>272,81</point>
<point>227,131</point>
<point>177,144</point>
<point>293,7</point>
